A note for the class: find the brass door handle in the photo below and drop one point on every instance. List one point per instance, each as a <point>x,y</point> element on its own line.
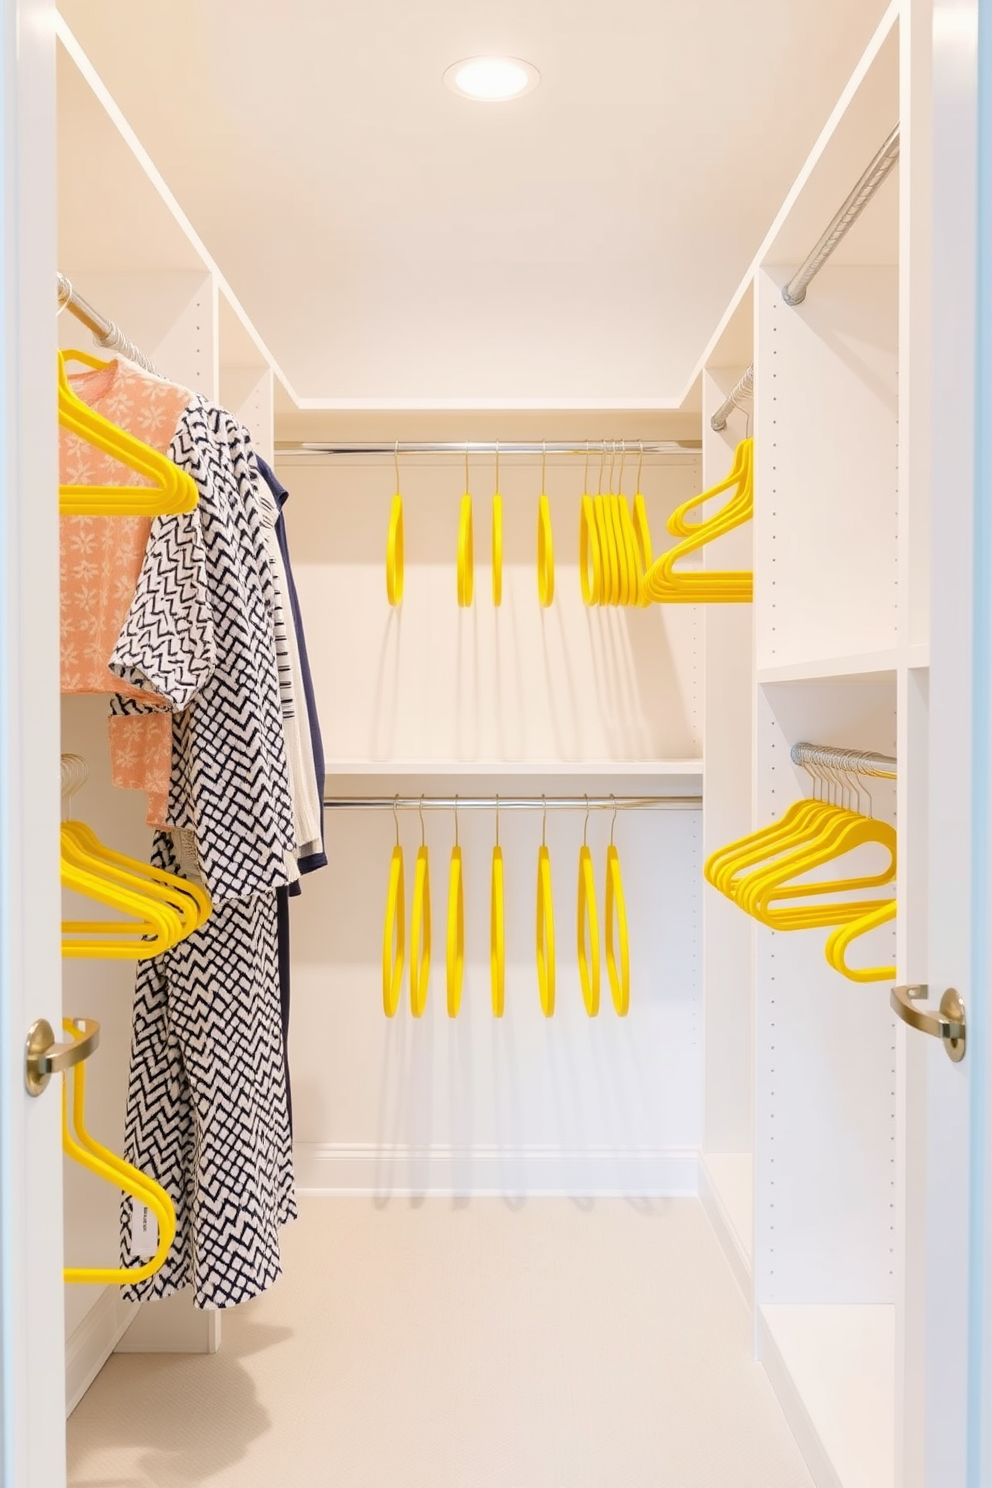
<point>43,1057</point>
<point>949,1024</point>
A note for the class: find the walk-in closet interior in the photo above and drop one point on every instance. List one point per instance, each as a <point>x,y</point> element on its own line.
<point>603,1110</point>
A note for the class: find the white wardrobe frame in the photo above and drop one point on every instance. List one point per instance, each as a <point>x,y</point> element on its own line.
<point>923,1339</point>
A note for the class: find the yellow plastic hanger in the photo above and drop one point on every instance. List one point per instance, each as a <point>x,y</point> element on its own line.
<point>169,489</point>
<point>731,586</point>
<point>616,928</point>
<point>83,849</point>
<point>466,547</point>
<point>642,535</point>
<point>394,938</point>
<point>420,926</point>
<point>394,541</point>
<point>758,893</point>
<point>99,1160</point>
<point>839,942</point>
<point>588,926</point>
<point>590,551</point>
<point>456,927</point>
<point>545,543</point>
<point>497,539</point>
<point>545,926</point>
<point>156,926</point>
<point>497,929</point>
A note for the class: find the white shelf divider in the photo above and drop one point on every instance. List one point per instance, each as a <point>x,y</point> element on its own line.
<point>726,1187</point>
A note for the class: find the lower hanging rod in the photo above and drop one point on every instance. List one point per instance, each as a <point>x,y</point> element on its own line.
<point>846,761</point>
<point>512,803</point>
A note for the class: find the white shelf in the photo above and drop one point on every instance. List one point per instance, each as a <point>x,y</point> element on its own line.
<point>868,666</point>
<point>340,769</point>
<point>833,1369</point>
<point>726,1182</point>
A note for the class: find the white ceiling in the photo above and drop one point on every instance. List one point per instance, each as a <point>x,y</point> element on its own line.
<point>395,244</point>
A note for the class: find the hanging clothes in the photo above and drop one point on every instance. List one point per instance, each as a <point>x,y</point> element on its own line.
<point>207,1111</point>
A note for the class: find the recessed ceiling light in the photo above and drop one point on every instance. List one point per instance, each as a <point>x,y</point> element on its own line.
<point>492,79</point>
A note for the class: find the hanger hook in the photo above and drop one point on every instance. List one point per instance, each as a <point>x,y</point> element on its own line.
<point>613,823</point>
<point>544,822</point>
<point>585,825</point>
<point>585,473</point>
<point>396,464</point>
<point>456,818</point>
<point>613,463</point>
<point>544,466</point>
<point>602,466</point>
<point>623,456</point>
<point>396,818</point>
<point>423,838</point>
<point>497,467</point>
<point>640,462</point>
<point>497,820</point>
<point>466,465</point>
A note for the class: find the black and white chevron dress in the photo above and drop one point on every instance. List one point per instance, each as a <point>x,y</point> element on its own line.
<point>207,1110</point>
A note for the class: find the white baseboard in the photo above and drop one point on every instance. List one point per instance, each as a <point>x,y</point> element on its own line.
<point>726,1230</point>
<point>93,1342</point>
<point>367,1169</point>
<point>801,1424</point>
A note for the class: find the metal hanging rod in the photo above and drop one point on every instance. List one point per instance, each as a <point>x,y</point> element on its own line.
<point>844,219</point>
<point>512,803</point>
<point>847,761</point>
<point>741,392</point>
<point>493,447</point>
<point>105,332</point>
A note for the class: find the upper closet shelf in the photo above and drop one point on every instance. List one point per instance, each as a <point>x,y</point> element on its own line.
<point>867,666</point>
<point>690,769</point>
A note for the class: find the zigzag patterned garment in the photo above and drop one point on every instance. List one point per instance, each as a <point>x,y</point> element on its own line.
<point>207,1109</point>
<point>200,633</point>
<point>206,1112</point>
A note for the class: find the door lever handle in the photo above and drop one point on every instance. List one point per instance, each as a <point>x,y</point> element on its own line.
<point>949,1023</point>
<point>43,1057</point>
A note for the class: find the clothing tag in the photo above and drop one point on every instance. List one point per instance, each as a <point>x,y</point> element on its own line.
<point>144,1230</point>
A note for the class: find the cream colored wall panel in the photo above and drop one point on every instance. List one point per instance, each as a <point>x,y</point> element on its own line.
<point>515,1101</point>
<point>429,681</point>
<point>826,491</point>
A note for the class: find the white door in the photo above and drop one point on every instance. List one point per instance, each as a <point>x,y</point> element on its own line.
<point>945,1421</point>
<point>32,1352</point>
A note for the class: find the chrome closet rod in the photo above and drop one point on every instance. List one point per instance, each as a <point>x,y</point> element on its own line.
<point>837,229</point>
<point>742,389</point>
<point>843,219</point>
<point>105,332</point>
<point>512,803</point>
<point>491,447</point>
<point>847,761</point>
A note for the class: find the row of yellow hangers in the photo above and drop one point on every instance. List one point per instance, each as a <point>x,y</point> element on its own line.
<point>168,489</point>
<point>758,873</point>
<point>159,910</point>
<point>617,945</point>
<point>616,563</point>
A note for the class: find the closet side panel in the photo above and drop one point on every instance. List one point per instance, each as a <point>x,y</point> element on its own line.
<point>729,705</point>
<point>826,492</point>
<point>825,1134</point>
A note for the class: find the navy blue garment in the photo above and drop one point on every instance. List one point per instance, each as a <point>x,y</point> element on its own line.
<point>282,946</point>
<point>318,859</point>
<point>275,485</point>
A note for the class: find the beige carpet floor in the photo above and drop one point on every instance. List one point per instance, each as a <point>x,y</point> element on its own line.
<point>460,1344</point>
